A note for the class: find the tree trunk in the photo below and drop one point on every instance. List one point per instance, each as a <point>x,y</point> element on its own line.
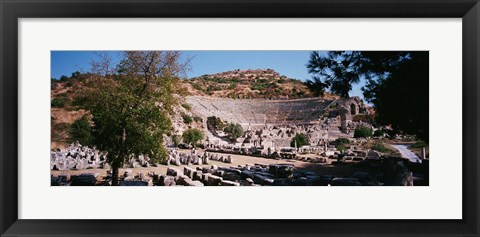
<point>115,171</point>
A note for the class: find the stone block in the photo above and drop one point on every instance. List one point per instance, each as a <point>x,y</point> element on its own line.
<point>188,171</point>
<point>173,172</point>
<point>213,180</point>
<point>133,183</point>
<point>228,183</point>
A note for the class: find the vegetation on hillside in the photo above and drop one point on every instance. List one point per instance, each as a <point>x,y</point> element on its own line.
<point>240,84</point>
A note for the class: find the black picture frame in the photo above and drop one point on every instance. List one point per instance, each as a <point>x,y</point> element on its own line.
<point>11,11</point>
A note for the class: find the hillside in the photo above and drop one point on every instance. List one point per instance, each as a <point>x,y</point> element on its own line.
<point>237,84</point>
<point>241,84</point>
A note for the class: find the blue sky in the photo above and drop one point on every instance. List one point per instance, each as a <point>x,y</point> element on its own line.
<point>288,63</point>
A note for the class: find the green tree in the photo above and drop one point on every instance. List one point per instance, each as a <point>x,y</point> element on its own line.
<point>336,70</point>
<point>131,109</point>
<point>193,136</point>
<point>363,131</point>
<point>81,131</point>
<point>396,83</point>
<point>234,131</point>
<point>301,140</point>
<point>340,141</point>
<point>401,97</point>
<point>316,86</point>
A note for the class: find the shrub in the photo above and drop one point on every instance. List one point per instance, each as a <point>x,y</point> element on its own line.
<point>215,123</point>
<point>419,144</point>
<point>81,131</point>
<point>197,119</point>
<point>63,78</point>
<point>258,86</point>
<point>234,130</point>
<point>379,147</point>
<point>187,106</point>
<point>196,86</point>
<point>193,136</point>
<point>59,102</point>
<point>301,140</point>
<point>362,131</point>
<point>187,119</point>
<point>341,148</point>
<point>340,141</point>
<point>176,139</point>
<point>232,86</point>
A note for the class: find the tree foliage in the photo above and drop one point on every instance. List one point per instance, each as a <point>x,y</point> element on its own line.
<point>396,83</point>
<point>234,131</point>
<point>130,109</point>
<point>316,86</point>
<point>301,140</point>
<point>337,70</point>
<point>193,136</point>
<point>340,141</point>
<point>59,102</point>
<point>401,98</point>
<point>363,131</point>
<point>81,131</point>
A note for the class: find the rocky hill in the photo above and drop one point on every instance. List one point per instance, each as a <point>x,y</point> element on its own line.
<point>244,84</point>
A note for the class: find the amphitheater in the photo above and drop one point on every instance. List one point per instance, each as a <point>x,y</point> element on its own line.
<point>251,112</point>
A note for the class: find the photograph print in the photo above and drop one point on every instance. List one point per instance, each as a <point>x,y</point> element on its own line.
<point>239,118</point>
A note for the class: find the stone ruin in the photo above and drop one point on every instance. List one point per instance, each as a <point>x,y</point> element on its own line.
<point>283,175</point>
<point>273,123</point>
<point>78,157</point>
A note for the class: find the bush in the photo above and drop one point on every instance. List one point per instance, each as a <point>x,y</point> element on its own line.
<point>379,147</point>
<point>234,130</point>
<point>301,140</point>
<point>419,144</point>
<point>187,106</point>
<point>341,148</point>
<point>187,119</point>
<point>215,123</point>
<point>232,86</point>
<point>362,131</point>
<point>196,86</point>
<point>81,131</point>
<point>197,119</point>
<point>176,139</point>
<point>59,102</point>
<point>340,141</point>
<point>193,136</point>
